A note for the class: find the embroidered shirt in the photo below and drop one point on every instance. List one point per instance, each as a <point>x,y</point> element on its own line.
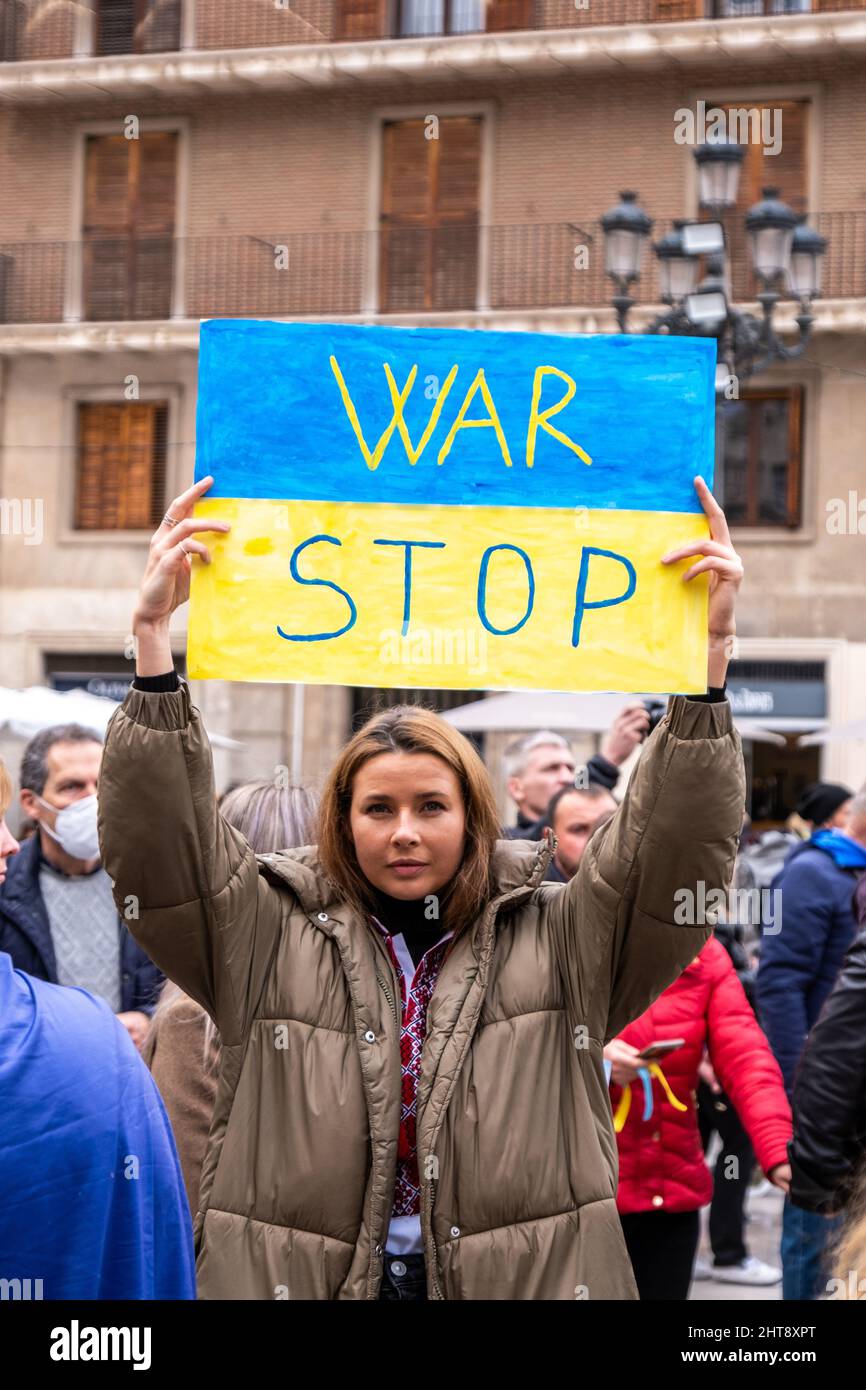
<point>416,989</point>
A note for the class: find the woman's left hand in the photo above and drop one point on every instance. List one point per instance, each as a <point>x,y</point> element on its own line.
<point>725,568</point>
<point>780,1176</point>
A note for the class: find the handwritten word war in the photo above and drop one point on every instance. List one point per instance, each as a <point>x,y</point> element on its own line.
<point>538,418</point>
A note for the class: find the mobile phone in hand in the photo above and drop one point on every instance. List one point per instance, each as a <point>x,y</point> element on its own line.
<point>654,1050</point>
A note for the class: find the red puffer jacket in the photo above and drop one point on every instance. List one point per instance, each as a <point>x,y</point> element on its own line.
<point>661,1161</point>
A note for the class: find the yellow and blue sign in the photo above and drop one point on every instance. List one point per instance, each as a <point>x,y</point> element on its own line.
<point>449,508</point>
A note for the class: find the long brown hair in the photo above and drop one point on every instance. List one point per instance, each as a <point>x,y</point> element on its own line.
<point>412,729</point>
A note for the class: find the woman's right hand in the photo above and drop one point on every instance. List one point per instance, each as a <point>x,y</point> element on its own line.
<point>621,1055</point>
<point>165,585</point>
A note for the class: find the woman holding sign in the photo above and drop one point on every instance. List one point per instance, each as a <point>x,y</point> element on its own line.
<point>412,1100</point>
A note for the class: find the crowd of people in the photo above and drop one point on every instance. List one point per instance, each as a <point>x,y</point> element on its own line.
<point>373,1045</point>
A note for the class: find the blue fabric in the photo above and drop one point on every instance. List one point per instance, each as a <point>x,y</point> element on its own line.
<point>93,1198</point>
<point>805,1237</point>
<point>25,933</point>
<point>842,849</point>
<point>800,962</point>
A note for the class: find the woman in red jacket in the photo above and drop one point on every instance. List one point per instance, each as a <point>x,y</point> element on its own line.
<point>663,1178</point>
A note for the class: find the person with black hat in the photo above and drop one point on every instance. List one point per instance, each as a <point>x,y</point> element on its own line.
<point>825,805</point>
<point>815,924</point>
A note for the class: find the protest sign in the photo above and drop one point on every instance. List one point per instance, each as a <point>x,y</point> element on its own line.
<point>447,508</point>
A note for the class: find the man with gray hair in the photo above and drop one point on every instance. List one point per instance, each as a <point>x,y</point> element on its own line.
<point>539,765</point>
<point>58,920</point>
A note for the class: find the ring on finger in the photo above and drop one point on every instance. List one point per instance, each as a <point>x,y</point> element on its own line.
<point>169,520</point>
<point>183,548</point>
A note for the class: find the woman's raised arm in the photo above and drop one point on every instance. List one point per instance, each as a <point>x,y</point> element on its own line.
<point>185,882</point>
<point>640,906</point>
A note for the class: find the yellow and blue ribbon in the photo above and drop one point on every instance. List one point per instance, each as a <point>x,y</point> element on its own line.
<point>646,1073</point>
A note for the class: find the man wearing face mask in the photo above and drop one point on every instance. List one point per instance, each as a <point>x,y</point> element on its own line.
<point>58,920</point>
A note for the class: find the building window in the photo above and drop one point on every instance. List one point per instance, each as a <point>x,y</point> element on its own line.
<point>137,26</point>
<point>129,206</point>
<point>376,19</point>
<point>739,9</point>
<point>120,474</point>
<point>430,215</point>
<point>760,451</point>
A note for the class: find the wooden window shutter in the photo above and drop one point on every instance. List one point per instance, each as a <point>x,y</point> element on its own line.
<point>671,11</point>
<point>129,208</point>
<point>361,19</point>
<point>154,215</point>
<point>120,481</point>
<point>785,170</point>
<point>795,455</point>
<point>507,14</point>
<point>455,265</point>
<point>430,198</point>
<point>407,210</point>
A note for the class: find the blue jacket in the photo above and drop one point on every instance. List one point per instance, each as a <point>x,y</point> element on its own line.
<point>25,933</point>
<point>799,964</point>
<point>94,1204</point>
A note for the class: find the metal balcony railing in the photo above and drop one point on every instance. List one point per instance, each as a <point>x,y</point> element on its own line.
<point>45,29</point>
<point>33,29</point>
<point>404,270</point>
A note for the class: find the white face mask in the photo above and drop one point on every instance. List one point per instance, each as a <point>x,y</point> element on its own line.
<point>75,827</point>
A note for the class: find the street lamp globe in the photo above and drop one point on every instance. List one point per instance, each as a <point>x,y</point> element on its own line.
<point>719,163</point>
<point>770,225</point>
<point>626,228</point>
<point>807,252</point>
<point>678,271</point>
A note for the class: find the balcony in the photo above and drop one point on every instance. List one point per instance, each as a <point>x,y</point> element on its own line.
<point>56,50</point>
<point>32,29</point>
<point>524,273</point>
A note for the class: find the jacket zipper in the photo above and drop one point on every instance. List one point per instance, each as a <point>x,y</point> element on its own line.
<point>389,996</point>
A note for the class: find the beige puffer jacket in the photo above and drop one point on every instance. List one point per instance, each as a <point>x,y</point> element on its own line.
<point>516,1146</point>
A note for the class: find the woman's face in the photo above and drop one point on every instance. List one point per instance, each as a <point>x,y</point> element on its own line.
<point>8,844</point>
<point>407,809</point>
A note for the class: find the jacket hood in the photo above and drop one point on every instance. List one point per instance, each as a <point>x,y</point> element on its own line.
<point>517,865</point>
<point>844,851</point>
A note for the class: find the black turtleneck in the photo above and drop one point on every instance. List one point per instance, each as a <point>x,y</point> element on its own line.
<point>407,919</point>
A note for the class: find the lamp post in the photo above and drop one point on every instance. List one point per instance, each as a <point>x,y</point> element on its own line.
<point>785,255</point>
<point>626,228</point>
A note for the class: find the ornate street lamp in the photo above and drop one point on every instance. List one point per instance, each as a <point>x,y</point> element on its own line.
<point>719,163</point>
<point>770,225</point>
<point>781,249</point>
<point>678,268</point>
<point>626,229</point>
<point>804,271</point>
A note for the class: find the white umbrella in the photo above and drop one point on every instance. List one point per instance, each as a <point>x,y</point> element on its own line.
<point>856,729</point>
<point>25,712</point>
<point>554,710</point>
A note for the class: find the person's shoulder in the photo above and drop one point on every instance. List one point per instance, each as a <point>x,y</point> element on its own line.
<point>83,1050</point>
<point>806,861</point>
